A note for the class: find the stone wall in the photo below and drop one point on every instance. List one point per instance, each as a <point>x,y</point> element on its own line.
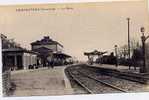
<point>6,82</point>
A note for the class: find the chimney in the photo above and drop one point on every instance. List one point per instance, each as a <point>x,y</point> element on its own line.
<point>46,37</point>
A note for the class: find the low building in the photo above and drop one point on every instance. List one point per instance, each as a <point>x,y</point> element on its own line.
<point>16,57</point>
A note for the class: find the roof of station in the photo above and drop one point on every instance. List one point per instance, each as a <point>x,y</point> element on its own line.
<point>17,50</point>
<point>61,55</point>
<point>95,52</point>
<point>46,41</point>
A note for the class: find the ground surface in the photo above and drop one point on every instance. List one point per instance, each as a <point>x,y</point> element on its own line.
<point>47,82</point>
<point>41,82</point>
<point>119,67</point>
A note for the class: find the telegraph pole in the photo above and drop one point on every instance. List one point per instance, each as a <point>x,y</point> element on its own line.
<point>128,19</point>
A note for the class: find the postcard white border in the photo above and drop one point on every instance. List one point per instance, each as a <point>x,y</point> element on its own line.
<point>126,96</point>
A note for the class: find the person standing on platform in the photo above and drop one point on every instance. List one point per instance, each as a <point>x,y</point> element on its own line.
<point>52,62</point>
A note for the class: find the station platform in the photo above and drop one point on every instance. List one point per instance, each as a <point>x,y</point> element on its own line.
<point>41,82</point>
<point>119,68</point>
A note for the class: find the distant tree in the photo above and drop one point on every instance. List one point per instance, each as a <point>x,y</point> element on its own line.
<point>134,44</point>
<point>137,57</point>
<point>123,50</point>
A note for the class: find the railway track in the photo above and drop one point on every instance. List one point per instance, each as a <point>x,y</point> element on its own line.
<point>80,83</point>
<point>93,85</point>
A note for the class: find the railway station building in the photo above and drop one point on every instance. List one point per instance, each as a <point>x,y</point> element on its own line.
<point>50,51</point>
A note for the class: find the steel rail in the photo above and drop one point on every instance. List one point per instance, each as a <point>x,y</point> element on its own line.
<point>74,78</point>
<point>105,83</point>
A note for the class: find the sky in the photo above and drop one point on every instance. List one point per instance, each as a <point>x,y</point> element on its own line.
<point>82,28</point>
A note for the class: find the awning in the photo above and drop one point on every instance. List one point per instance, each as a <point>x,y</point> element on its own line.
<point>61,55</point>
<point>95,52</point>
<point>18,50</point>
